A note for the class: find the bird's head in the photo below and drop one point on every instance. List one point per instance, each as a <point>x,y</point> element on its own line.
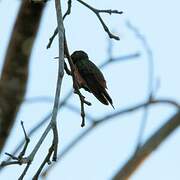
<point>78,55</point>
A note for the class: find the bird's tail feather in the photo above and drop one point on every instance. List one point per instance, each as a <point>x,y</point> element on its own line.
<point>108,98</point>
<point>104,98</point>
<point>101,98</point>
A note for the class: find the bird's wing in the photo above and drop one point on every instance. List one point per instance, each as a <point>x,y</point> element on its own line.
<point>94,81</point>
<point>92,75</point>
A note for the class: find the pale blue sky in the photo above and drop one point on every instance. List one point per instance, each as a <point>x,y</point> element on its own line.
<point>100,154</point>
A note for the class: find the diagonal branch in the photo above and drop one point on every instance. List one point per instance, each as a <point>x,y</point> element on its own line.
<point>148,147</point>
<point>96,11</point>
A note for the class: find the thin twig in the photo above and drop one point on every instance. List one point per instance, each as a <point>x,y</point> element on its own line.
<point>121,59</point>
<point>97,13</point>
<point>73,108</point>
<point>68,12</point>
<point>7,163</point>
<point>27,140</point>
<point>41,123</point>
<point>68,148</point>
<point>46,160</point>
<point>19,159</point>
<point>68,72</point>
<point>25,171</point>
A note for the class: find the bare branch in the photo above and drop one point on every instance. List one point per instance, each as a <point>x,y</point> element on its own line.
<point>68,148</point>
<point>19,159</point>
<point>68,12</point>
<point>120,59</point>
<point>148,147</point>
<point>46,160</point>
<point>27,140</point>
<point>52,125</point>
<point>97,12</point>
<point>25,171</point>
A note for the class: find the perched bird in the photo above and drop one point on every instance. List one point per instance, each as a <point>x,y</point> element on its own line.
<point>90,77</point>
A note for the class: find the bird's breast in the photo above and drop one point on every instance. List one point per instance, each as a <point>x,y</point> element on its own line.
<point>81,82</point>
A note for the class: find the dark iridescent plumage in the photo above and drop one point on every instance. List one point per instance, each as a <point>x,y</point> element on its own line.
<point>90,77</point>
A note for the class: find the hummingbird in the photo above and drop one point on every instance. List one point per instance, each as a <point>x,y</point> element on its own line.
<point>89,77</point>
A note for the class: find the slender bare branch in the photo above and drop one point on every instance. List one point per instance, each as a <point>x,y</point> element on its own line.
<point>68,12</point>
<point>52,125</point>
<point>46,160</point>
<point>97,13</point>
<point>25,171</point>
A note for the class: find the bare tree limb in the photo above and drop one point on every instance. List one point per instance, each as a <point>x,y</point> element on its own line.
<point>53,123</point>
<point>97,13</point>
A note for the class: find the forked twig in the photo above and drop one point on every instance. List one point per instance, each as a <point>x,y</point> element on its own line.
<point>68,12</point>
<point>97,13</point>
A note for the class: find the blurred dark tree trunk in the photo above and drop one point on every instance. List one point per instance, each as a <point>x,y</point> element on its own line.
<point>14,74</point>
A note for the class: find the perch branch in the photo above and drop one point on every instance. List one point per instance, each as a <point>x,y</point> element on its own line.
<point>75,84</point>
